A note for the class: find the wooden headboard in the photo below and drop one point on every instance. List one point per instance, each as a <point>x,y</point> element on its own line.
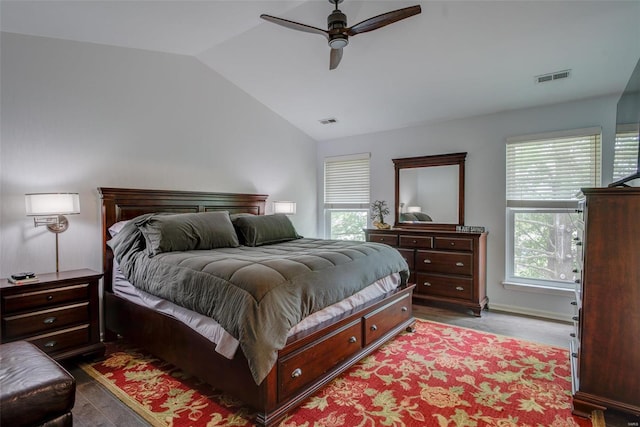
<point>121,204</point>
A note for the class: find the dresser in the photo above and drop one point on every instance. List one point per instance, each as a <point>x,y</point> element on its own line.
<point>59,313</point>
<point>446,266</point>
<point>605,345</point>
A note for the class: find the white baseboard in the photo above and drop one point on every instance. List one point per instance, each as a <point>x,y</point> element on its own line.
<point>563,317</point>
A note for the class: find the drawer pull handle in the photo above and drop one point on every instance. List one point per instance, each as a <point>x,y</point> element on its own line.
<point>382,239</point>
<point>49,320</point>
<point>50,344</point>
<point>374,328</point>
<point>459,288</point>
<point>574,354</point>
<point>427,261</point>
<point>459,264</point>
<point>574,302</point>
<point>296,373</point>
<point>577,281</point>
<point>452,243</point>
<point>572,335</point>
<point>578,243</point>
<point>575,270</point>
<point>49,297</point>
<point>353,339</point>
<point>575,318</point>
<point>404,308</point>
<point>426,284</point>
<point>415,241</point>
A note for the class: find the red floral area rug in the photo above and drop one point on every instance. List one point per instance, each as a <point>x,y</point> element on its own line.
<point>438,375</point>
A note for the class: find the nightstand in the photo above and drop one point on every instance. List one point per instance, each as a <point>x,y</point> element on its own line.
<point>59,313</point>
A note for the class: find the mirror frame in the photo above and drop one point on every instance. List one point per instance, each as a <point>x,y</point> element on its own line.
<point>428,161</point>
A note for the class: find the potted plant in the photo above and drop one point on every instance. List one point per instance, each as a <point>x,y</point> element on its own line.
<point>378,210</point>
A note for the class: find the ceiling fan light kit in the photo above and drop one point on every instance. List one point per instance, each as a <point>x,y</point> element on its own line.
<point>338,33</point>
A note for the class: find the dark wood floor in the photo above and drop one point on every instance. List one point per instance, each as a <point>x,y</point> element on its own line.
<point>96,407</point>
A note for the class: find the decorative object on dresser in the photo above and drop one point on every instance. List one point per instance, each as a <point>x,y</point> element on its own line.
<point>446,266</point>
<point>59,313</point>
<point>605,348</point>
<point>50,209</point>
<point>378,210</point>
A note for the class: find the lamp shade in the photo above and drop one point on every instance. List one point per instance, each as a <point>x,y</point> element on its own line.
<point>283,207</point>
<point>38,204</point>
<point>412,209</point>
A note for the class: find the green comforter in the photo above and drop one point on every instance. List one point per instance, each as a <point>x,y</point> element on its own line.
<point>258,294</point>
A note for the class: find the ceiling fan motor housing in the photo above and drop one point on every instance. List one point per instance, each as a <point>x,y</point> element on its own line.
<point>337,22</point>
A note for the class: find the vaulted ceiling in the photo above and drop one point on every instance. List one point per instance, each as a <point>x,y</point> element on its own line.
<point>456,59</point>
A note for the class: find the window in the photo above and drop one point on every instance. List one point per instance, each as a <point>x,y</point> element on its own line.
<point>544,175</point>
<point>346,196</point>
<point>625,162</point>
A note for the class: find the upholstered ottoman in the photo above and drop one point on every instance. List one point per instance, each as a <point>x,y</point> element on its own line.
<point>34,389</point>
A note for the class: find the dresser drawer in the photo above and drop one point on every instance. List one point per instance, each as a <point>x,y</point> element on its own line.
<point>444,286</point>
<point>454,243</point>
<point>381,321</point>
<point>310,362</point>
<point>388,239</point>
<point>409,256</point>
<point>62,340</point>
<point>45,298</point>
<point>38,322</point>
<point>444,262</point>
<point>418,242</point>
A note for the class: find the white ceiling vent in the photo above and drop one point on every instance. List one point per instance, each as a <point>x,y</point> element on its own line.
<point>558,75</point>
<point>328,121</point>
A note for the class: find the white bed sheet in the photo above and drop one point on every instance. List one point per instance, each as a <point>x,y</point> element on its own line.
<point>227,345</point>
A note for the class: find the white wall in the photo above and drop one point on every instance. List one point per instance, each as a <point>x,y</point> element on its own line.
<point>483,138</point>
<point>76,116</point>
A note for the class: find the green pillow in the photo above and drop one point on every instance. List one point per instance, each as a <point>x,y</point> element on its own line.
<point>257,230</point>
<point>189,231</point>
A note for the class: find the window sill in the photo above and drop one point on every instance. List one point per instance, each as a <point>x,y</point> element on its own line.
<point>537,289</point>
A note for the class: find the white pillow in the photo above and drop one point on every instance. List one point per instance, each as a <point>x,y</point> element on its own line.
<point>117,227</point>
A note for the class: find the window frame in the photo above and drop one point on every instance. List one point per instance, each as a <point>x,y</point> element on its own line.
<point>515,206</point>
<point>361,204</point>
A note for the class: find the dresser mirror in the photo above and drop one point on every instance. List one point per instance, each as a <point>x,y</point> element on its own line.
<point>430,191</point>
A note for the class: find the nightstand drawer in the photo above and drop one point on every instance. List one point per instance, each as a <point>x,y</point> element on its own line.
<point>45,320</point>
<point>62,340</point>
<point>45,298</point>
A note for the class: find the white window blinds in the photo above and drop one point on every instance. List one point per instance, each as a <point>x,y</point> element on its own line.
<point>552,166</point>
<point>625,161</point>
<point>346,181</point>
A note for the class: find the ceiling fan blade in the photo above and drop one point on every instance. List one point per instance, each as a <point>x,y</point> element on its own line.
<point>382,20</point>
<point>334,59</point>
<point>295,25</point>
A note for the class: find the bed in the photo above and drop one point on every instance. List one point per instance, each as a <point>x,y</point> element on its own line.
<point>309,358</point>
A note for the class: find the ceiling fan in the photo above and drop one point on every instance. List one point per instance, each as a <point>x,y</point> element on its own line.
<point>338,32</point>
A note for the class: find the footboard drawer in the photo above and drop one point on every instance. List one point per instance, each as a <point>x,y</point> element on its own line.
<point>382,320</point>
<point>310,362</point>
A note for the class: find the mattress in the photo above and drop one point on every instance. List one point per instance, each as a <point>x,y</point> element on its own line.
<point>226,345</point>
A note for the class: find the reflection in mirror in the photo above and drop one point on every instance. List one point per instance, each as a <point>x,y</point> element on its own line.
<point>430,191</point>
<point>429,194</point>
